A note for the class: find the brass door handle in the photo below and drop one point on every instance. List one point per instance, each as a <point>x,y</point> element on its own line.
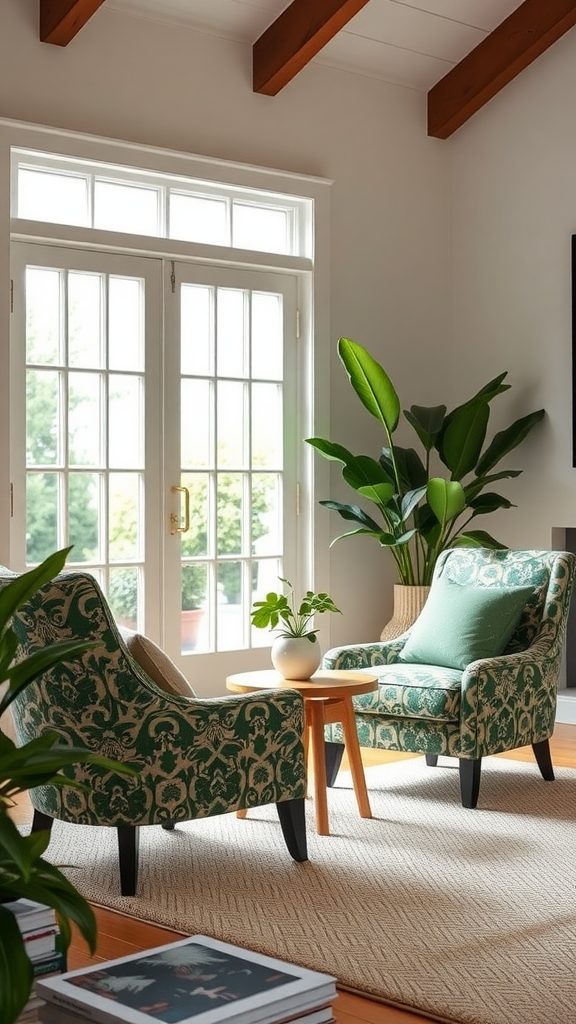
<point>176,525</point>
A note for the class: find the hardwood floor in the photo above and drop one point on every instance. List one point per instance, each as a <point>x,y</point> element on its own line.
<point>119,935</point>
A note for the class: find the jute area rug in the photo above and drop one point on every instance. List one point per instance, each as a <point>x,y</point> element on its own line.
<point>466,916</point>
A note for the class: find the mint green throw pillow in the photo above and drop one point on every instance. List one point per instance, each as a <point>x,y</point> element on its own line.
<point>460,624</point>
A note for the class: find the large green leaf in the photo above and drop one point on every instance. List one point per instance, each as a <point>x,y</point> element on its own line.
<point>410,501</point>
<point>463,438</point>
<point>427,421</point>
<point>402,540</point>
<point>446,498</point>
<point>506,440</point>
<point>362,471</point>
<point>330,449</point>
<point>45,883</point>
<point>474,488</point>
<point>355,533</point>
<point>46,753</point>
<point>478,539</point>
<point>409,467</point>
<point>430,530</point>
<point>371,383</point>
<point>359,470</point>
<point>16,851</point>
<point>24,672</point>
<point>353,513</point>
<point>486,393</point>
<point>489,502</point>
<point>380,493</point>
<point>25,585</point>
<point>8,648</point>
<point>493,388</point>
<point>15,969</point>
<point>30,768</point>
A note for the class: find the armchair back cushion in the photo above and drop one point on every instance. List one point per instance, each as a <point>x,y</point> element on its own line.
<point>156,663</point>
<point>461,623</point>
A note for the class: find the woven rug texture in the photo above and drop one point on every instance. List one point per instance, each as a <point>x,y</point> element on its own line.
<point>467,916</point>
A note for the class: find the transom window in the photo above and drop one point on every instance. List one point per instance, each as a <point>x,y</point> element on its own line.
<point>109,197</point>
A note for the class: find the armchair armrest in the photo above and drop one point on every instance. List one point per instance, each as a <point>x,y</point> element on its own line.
<point>358,656</point>
<point>509,701</point>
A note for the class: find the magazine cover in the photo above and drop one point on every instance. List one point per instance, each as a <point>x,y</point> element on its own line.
<point>198,980</point>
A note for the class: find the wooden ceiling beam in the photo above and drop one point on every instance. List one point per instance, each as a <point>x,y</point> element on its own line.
<point>297,35</point>
<point>60,20</point>
<point>511,47</point>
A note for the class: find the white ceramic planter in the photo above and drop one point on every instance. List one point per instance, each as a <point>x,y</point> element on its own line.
<point>294,657</point>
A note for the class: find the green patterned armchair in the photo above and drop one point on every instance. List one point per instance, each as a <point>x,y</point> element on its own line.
<point>194,757</point>
<point>469,710</point>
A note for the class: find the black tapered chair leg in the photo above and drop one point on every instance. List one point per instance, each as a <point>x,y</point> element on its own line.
<point>469,780</point>
<point>544,759</point>
<point>41,822</point>
<point>431,760</point>
<point>169,825</point>
<point>333,758</point>
<point>128,842</point>
<point>293,822</point>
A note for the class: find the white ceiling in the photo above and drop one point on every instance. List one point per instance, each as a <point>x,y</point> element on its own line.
<point>408,42</point>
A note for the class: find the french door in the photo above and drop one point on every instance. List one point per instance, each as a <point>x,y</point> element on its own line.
<point>156,429</point>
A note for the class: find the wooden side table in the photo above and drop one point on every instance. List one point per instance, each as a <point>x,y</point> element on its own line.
<point>327,698</point>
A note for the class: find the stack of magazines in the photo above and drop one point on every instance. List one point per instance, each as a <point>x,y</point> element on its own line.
<point>198,980</point>
<point>41,936</point>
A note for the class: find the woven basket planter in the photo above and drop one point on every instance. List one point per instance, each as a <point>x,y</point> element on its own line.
<point>408,603</point>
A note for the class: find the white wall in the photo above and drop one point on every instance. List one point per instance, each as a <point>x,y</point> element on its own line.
<point>131,79</point>
<point>514,172</point>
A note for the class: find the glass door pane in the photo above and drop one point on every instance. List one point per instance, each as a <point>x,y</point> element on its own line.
<point>231,398</point>
<point>161,441</point>
<point>86,471</point>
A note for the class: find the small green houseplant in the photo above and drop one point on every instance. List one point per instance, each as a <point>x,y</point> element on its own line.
<point>291,652</point>
<point>279,612</point>
<point>419,512</point>
<point>23,870</point>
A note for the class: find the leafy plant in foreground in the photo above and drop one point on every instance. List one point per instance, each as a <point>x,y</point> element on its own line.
<point>23,870</point>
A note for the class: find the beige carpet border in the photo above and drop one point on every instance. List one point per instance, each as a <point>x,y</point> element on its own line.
<point>468,917</point>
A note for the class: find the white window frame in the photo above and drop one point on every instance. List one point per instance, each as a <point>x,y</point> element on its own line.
<point>313,272</point>
<point>298,208</point>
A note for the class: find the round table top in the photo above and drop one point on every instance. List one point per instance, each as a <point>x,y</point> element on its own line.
<point>324,683</point>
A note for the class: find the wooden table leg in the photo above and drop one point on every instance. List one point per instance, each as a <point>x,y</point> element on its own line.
<point>315,712</point>
<point>354,757</point>
<point>242,813</point>
<point>306,743</point>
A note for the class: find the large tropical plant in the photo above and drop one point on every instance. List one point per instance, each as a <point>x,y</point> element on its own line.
<point>421,513</point>
<point>23,870</point>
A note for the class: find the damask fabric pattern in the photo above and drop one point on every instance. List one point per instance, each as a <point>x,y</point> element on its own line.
<point>195,757</point>
<point>423,691</point>
<point>496,704</point>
